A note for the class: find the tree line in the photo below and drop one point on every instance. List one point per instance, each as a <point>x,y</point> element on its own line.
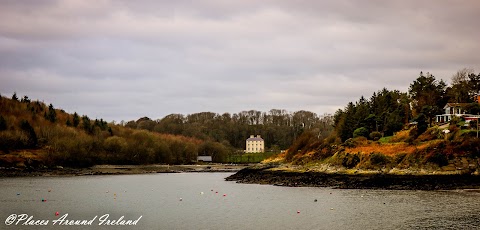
<point>388,111</point>
<point>77,140</point>
<point>66,139</point>
<point>278,127</point>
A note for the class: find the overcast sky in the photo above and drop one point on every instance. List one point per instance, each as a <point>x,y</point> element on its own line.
<point>121,60</point>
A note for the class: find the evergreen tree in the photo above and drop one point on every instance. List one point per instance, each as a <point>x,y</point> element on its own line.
<point>474,85</point>
<point>370,123</point>
<point>25,99</point>
<point>87,125</point>
<point>427,91</point>
<point>32,136</point>
<point>422,124</point>
<point>14,96</point>
<point>51,115</point>
<point>348,123</point>
<point>76,119</point>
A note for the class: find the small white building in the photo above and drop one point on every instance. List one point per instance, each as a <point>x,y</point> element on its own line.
<point>204,158</point>
<point>255,144</point>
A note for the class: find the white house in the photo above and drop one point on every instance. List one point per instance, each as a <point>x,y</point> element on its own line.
<point>455,109</point>
<point>452,109</point>
<point>255,144</point>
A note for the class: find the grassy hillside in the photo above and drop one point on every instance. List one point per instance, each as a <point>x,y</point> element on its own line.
<point>33,134</point>
<point>432,151</point>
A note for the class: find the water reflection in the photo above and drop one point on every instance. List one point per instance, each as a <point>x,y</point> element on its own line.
<point>156,197</point>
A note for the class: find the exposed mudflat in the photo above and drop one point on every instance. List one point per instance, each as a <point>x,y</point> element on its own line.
<point>118,170</point>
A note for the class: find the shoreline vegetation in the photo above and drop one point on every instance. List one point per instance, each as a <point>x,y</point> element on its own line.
<point>118,170</point>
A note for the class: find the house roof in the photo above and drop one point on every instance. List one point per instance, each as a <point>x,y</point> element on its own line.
<point>255,139</point>
<point>455,105</point>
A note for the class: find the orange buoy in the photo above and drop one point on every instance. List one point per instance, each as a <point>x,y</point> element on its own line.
<point>298,211</point>
<point>57,213</point>
<point>224,194</point>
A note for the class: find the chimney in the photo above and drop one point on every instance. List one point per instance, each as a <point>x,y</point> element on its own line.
<point>251,136</point>
<point>478,98</point>
<point>258,136</point>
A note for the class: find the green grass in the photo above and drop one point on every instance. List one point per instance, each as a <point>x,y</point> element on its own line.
<point>249,158</point>
<point>385,139</point>
<point>463,131</point>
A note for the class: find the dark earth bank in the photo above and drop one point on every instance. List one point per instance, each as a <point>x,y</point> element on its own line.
<point>361,181</point>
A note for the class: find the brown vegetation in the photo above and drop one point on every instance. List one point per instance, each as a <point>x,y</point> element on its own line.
<point>33,134</point>
<point>430,150</point>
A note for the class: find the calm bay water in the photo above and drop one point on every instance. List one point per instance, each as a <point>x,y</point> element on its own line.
<point>186,201</point>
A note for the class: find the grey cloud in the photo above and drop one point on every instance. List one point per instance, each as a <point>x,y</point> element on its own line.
<point>121,60</point>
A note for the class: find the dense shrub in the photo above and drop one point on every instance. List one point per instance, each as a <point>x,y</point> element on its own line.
<point>350,160</point>
<point>412,135</point>
<point>470,145</point>
<point>438,158</point>
<point>12,140</point>
<point>324,151</point>
<point>401,136</point>
<point>455,120</point>
<point>360,132</point>
<point>399,158</point>
<point>379,159</point>
<point>32,136</point>
<point>375,135</point>
<point>353,142</point>
<point>431,134</point>
<point>3,123</point>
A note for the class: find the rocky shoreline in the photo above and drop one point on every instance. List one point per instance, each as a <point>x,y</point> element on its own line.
<point>358,181</point>
<point>116,170</point>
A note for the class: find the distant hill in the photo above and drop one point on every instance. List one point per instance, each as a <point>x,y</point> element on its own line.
<point>278,127</point>
<point>33,134</point>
